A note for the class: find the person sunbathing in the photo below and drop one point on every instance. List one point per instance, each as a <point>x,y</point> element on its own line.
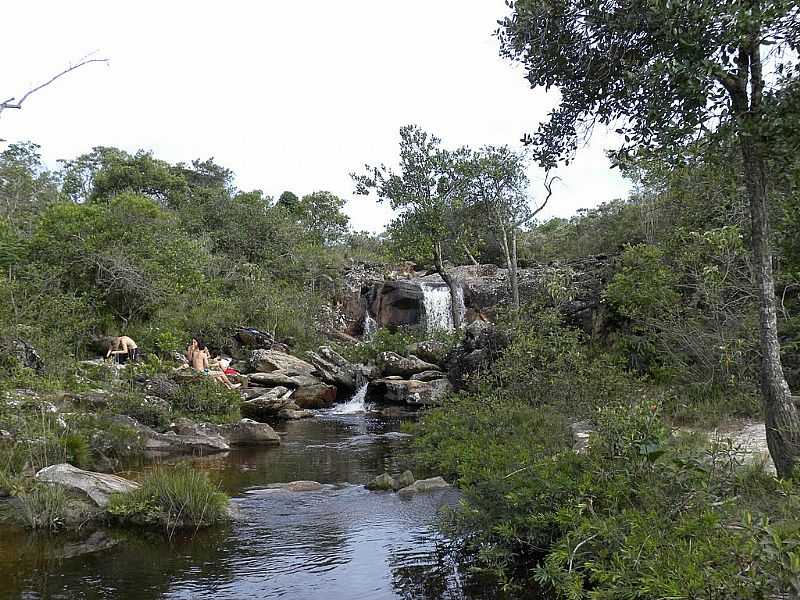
<point>201,363</point>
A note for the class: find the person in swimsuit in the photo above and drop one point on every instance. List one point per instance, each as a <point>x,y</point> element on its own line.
<point>123,349</point>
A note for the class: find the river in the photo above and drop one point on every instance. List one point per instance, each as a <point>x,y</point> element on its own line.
<point>343,542</point>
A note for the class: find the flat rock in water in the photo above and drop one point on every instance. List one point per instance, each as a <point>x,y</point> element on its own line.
<point>424,485</point>
<point>96,542</point>
<point>382,482</point>
<point>289,414</point>
<point>98,487</point>
<point>297,486</point>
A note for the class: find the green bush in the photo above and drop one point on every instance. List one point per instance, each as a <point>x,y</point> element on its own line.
<point>173,498</point>
<point>205,400</point>
<point>397,341</point>
<point>136,406</point>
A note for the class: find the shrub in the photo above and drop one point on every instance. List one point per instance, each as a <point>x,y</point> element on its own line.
<point>203,399</point>
<point>172,498</point>
<point>136,406</point>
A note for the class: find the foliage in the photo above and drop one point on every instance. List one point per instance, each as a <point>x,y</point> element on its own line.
<point>397,341</point>
<point>136,406</point>
<point>207,400</point>
<point>172,498</point>
<point>43,507</point>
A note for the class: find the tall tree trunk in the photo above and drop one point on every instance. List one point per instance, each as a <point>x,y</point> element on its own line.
<point>469,255</point>
<point>782,418</point>
<point>452,284</point>
<point>514,263</point>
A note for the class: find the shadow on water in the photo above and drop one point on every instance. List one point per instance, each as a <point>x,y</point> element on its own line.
<point>340,542</point>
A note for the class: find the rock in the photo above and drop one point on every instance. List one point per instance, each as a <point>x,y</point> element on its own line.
<point>481,345</point>
<point>93,399</point>
<point>320,395</point>
<point>430,351</point>
<point>197,439</point>
<point>268,405</point>
<point>383,482</point>
<point>392,363</point>
<point>98,487</point>
<point>410,392</point>
<point>160,386</point>
<point>290,414</point>
<point>395,303</point>
<point>405,479</point>
<point>250,433</point>
<point>254,338</point>
<point>297,486</point>
<point>335,369</point>
<point>280,377</point>
<point>25,354</point>
<point>424,485</point>
<point>266,361</point>
<point>428,376</point>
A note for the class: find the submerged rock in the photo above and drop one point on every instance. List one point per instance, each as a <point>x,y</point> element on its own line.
<point>245,432</point>
<point>96,542</point>
<point>98,487</point>
<point>297,486</point>
<point>424,485</point>
<point>291,414</point>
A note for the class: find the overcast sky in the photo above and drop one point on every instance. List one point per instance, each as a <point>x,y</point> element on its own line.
<point>289,95</point>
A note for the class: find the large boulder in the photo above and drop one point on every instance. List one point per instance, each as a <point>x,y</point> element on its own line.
<point>254,338</point>
<point>319,395</point>
<point>411,392</point>
<point>337,370</point>
<point>391,363</point>
<point>160,386</point>
<point>282,378</point>
<point>97,487</point>
<point>245,432</point>
<point>266,361</point>
<point>431,351</point>
<point>195,439</point>
<point>268,405</point>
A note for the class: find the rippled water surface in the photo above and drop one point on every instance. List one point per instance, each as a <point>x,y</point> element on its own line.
<point>341,542</point>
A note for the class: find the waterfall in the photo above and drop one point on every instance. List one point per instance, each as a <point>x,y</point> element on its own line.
<point>369,326</point>
<point>436,300</point>
<point>356,404</point>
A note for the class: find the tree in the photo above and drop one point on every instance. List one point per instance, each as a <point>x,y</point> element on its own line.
<point>497,184</point>
<point>321,215</point>
<point>429,191</point>
<point>666,72</point>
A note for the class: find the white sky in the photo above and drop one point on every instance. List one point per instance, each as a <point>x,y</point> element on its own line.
<point>289,95</point>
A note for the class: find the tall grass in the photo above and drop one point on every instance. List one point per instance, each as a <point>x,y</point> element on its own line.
<point>177,497</point>
<point>43,507</point>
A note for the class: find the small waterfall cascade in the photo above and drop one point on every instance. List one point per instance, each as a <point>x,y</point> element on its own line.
<point>369,326</point>
<point>355,405</point>
<point>436,300</point>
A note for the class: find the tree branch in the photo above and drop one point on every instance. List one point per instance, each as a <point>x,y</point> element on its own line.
<point>10,103</point>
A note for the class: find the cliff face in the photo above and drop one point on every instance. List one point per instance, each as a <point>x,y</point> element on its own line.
<point>396,298</point>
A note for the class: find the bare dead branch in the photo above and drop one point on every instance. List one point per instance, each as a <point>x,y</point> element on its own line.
<point>10,103</point>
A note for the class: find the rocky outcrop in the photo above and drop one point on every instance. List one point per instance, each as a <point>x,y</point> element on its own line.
<point>198,441</point>
<point>97,487</point>
<point>386,482</point>
<point>245,432</point>
<point>395,303</point>
<point>481,345</point>
<point>337,370</point>
<point>282,378</point>
<point>266,361</point>
<point>410,392</point>
<point>391,363</point>
<point>431,351</point>
<point>267,405</point>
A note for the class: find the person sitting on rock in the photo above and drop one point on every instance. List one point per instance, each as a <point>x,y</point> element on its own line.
<point>123,349</point>
<point>201,364</point>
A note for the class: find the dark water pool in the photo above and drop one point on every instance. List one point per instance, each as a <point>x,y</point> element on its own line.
<point>339,543</point>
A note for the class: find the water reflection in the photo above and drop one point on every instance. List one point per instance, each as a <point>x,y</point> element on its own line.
<point>339,542</point>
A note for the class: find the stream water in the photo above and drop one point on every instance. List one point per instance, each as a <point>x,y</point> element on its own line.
<point>343,542</point>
